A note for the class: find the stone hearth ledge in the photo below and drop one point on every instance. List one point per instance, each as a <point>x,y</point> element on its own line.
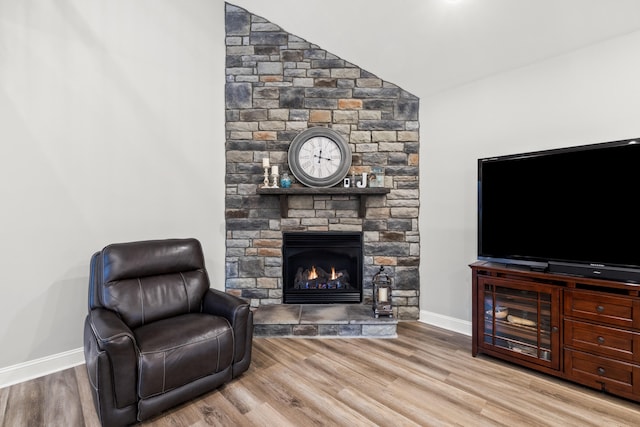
<point>322,320</point>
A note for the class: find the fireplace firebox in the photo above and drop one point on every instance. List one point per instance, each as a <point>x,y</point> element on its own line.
<point>322,267</point>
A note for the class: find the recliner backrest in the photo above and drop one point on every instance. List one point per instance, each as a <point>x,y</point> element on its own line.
<point>150,280</point>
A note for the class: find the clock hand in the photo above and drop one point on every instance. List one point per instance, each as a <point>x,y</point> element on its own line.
<point>320,157</point>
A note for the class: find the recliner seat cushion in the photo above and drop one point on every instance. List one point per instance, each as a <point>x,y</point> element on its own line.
<point>177,351</point>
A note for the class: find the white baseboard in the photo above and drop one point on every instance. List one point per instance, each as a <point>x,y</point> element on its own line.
<point>36,368</point>
<point>445,322</point>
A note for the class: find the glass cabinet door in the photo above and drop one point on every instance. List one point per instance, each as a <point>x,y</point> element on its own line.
<point>521,319</point>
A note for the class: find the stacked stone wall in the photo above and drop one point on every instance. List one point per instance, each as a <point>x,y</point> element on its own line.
<point>277,85</point>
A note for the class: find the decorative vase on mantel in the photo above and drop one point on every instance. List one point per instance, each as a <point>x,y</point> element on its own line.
<point>285,180</point>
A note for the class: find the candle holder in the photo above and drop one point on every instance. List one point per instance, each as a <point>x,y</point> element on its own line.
<point>265,183</point>
<point>382,294</point>
<point>274,177</point>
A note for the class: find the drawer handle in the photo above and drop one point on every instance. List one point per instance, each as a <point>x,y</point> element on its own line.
<point>601,371</point>
<point>599,309</point>
<point>600,340</point>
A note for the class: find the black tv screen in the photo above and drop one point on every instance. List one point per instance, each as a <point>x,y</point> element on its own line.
<point>572,207</point>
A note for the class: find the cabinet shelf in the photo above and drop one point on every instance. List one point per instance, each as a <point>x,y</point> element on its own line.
<point>528,335</point>
<point>524,307</point>
<point>284,194</point>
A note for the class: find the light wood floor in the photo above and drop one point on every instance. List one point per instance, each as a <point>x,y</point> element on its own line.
<point>425,377</point>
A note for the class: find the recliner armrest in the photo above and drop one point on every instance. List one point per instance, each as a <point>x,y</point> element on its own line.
<point>239,314</point>
<point>223,304</point>
<point>116,339</point>
<point>108,327</point>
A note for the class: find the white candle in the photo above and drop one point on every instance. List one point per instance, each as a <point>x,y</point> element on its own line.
<point>274,170</point>
<point>383,294</point>
<point>265,162</point>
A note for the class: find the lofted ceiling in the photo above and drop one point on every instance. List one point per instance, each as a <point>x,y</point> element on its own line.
<point>429,46</point>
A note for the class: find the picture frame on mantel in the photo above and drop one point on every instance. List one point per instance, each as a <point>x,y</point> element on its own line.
<point>376,179</point>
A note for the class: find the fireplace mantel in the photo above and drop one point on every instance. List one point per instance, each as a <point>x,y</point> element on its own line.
<point>284,193</point>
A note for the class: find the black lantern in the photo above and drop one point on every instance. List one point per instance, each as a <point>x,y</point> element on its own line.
<point>382,294</point>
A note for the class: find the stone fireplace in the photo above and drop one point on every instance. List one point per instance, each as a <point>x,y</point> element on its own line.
<point>277,85</point>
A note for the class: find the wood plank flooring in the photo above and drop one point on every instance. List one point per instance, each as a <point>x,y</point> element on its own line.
<point>425,377</point>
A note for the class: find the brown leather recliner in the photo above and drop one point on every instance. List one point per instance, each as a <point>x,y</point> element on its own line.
<point>156,335</point>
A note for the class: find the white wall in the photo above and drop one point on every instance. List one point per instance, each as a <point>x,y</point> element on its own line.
<point>590,95</point>
<point>111,129</point>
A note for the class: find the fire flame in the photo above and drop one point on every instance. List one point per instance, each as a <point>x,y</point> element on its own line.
<point>313,274</point>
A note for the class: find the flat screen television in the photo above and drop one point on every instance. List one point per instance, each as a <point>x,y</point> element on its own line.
<point>567,211</point>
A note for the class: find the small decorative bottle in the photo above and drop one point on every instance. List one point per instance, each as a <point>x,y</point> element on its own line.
<point>285,181</point>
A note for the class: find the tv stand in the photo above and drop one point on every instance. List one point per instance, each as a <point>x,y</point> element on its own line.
<point>584,330</point>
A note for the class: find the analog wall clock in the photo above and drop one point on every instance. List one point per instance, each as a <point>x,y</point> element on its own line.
<point>319,157</point>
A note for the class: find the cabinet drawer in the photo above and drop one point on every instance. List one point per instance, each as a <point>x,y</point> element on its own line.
<point>603,373</point>
<point>602,308</point>
<point>602,340</point>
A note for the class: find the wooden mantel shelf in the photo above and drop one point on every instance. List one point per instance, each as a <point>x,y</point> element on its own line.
<point>284,193</point>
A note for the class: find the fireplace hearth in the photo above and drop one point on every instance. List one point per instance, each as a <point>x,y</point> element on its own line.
<point>322,267</point>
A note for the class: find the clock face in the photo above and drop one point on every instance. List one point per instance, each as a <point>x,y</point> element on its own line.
<point>319,157</point>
